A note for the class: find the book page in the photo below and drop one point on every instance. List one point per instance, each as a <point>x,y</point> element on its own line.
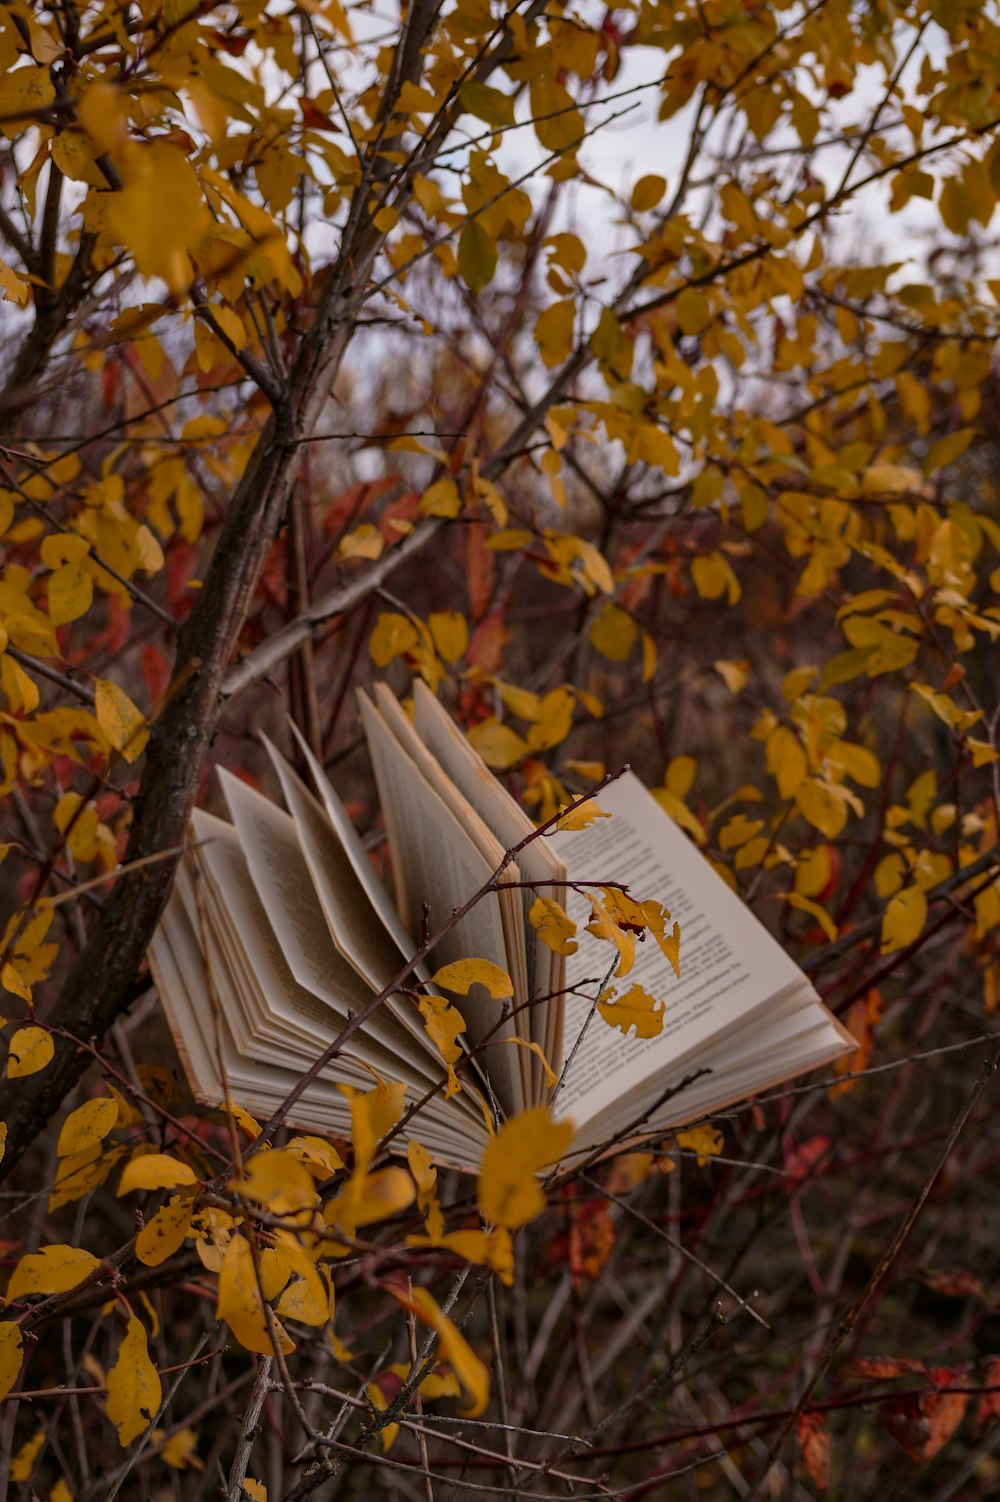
<point>509,902</point>
<point>216,1065</point>
<point>730,965</point>
<point>265,1005</point>
<point>538,861</point>
<point>281,879</point>
<point>354,925</point>
<point>357,856</point>
<point>438,867</point>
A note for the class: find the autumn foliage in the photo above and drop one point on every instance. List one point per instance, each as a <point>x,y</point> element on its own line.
<point>628,375</point>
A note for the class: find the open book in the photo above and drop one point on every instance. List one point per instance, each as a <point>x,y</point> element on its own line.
<point>279,932</point>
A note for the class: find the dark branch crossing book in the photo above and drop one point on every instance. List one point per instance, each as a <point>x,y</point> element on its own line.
<point>279,931</point>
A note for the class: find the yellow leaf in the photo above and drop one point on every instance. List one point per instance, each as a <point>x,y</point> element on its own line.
<point>581,817</point>
<point>477,256</point>
<point>450,631</point>
<point>706,1141</point>
<point>121,722</point>
<point>24,1461</point>
<point>31,1048</point>
<point>54,1269</point>
<point>982,752</point>
<point>441,499</point>
<point>657,918</point>
<point>393,635</point>
<point>181,1450</point>
<point>165,1232</point>
<point>604,925</point>
<point>786,760</point>
<point>160,213</point>
<point>806,905</point>
<point>244,1120</point>
<point>508,1192</point>
<point>70,593</point>
<point>60,1492</point>
<point>320,1157</point>
<point>636,1009</point>
<point>79,1173</point>
<point>365,541</point>
<point>713,577</point>
<point>733,674</point>
<point>12,287</point>
<point>485,1248</point>
<point>300,1303</point>
<point>367,1198</point>
<point>10,1363</point>
<point>88,1125</point>
<point>497,744</point>
<point>255,1490</point>
<point>277,1180</point>
<point>554,331</point>
<point>466,1365</point>
<point>694,312</point>
<point>134,1388</point>
<point>812,873</point>
<point>240,1305</point>
<point>957,719</point>
<point>821,806</point>
<point>904,919</point>
<point>155,1171</point>
<point>554,722</point>
<point>553,925</point>
<point>390,1432</point>
<point>613,633</point>
<point>647,193</point>
<point>461,975</point>
<point>444,1024</point>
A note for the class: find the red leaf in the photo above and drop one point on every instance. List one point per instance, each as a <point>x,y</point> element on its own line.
<point>885,1366</point>
<point>487,644</point>
<point>988,1407</point>
<point>814,1442</point>
<point>480,566</point>
<point>155,673</point>
<point>923,1424</point>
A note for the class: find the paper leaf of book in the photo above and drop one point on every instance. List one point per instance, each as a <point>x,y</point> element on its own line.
<point>553,925</point>
<point>508,1192</point>
<point>461,975</point>
<point>636,1009</point>
<point>134,1387</point>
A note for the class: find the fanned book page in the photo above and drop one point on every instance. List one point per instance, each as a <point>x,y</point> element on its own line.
<point>279,934</point>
